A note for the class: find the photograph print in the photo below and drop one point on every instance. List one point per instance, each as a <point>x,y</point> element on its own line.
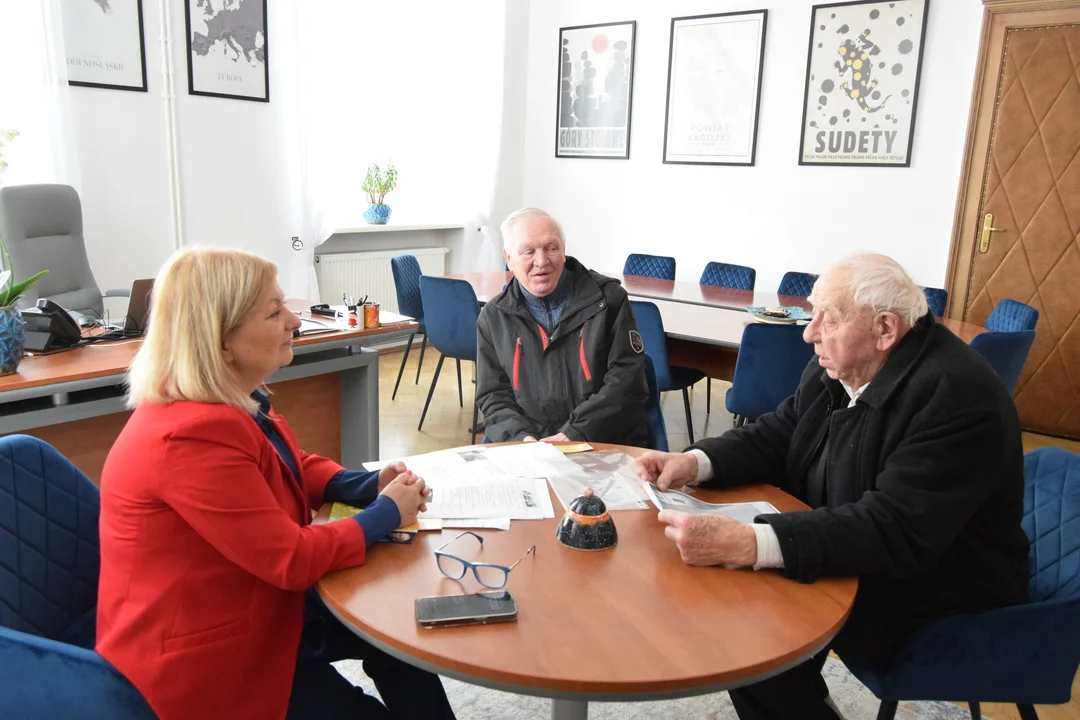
<point>226,46</point>
<point>104,45</point>
<point>863,83</point>
<point>596,79</point>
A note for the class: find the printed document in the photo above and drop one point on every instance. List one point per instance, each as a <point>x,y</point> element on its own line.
<point>680,501</point>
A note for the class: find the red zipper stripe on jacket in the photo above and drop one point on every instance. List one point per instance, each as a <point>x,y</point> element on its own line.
<point>581,353</point>
<point>517,362</point>
<point>543,335</point>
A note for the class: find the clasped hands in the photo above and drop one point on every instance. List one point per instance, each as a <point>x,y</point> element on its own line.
<point>702,539</point>
<point>408,491</point>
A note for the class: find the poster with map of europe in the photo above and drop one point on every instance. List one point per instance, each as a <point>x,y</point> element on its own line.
<point>226,44</point>
<point>104,45</point>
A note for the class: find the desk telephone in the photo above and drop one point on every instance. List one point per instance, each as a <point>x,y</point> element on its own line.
<point>49,326</point>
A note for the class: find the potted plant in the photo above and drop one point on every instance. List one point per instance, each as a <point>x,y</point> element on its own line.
<point>377,183</point>
<point>12,331</point>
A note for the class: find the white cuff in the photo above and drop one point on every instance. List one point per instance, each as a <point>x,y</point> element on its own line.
<point>768,547</point>
<point>704,466</point>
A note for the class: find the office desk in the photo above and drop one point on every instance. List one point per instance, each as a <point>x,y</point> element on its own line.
<point>627,624</point>
<point>74,400</point>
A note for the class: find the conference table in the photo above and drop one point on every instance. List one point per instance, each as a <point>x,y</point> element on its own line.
<point>631,623</point>
<point>74,399</point>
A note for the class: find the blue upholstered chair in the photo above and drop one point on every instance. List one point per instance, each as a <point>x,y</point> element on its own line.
<point>654,413</point>
<point>651,327</point>
<point>1010,315</point>
<point>452,311</point>
<point>1027,654</point>
<point>771,361</point>
<point>937,299</point>
<point>653,266</point>
<point>49,563</point>
<point>799,284</point>
<point>1006,352</point>
<point>736,277</point>
<point>407,274</point>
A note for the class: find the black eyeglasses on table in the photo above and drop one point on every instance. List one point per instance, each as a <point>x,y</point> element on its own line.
<point>488,575</point>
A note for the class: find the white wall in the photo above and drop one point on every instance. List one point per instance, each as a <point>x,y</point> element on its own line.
<point>775,216</point>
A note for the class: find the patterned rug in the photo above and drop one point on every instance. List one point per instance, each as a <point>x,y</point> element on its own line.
<point>472,702</point>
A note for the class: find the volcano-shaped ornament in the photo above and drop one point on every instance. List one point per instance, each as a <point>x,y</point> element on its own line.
<point>587,525</point>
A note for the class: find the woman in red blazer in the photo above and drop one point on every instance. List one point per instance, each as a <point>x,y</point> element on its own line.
<point>207,547</point>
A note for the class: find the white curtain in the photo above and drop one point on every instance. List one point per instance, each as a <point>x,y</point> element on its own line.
<point>34,95</point>
<point>416,83</point>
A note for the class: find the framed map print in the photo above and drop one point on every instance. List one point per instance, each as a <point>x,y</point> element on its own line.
<point>714,88</point>
<point>104,46</point>
<point>226,46</point>
<point>862,83</point>
<point>596,80</point>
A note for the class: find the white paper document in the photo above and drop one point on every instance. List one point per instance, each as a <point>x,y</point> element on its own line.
<point>675,500</point>
<point>610,473</point>
<point>478,523</point>
<point>514,498</point>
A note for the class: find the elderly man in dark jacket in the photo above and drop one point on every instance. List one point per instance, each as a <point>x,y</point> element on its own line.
<point>907,447</point>
<point>559,355</point>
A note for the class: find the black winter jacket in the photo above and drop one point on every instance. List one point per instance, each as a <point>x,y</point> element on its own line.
<point>586,380</point>
<point>925,482</point>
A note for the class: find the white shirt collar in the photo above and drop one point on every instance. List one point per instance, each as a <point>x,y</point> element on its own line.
<point>853,394</point>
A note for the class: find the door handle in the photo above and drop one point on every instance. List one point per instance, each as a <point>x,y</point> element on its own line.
<point>987,229</point>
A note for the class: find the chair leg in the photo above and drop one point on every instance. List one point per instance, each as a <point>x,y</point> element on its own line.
<point>423,346</point>
<point>708,395</point>
<point>689,420</point>
<point>1027,712</point>
<point>460,394</point>
<point>976,710</point>
<point>401,370</point>
<point>887,710</point>
<point>430,392</point>
<point>475,413</point>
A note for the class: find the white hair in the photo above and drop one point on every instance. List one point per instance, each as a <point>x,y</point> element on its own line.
<point>529,213</point>
<point>877,282</point>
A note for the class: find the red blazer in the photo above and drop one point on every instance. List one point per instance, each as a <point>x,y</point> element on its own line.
<point>207,548</point>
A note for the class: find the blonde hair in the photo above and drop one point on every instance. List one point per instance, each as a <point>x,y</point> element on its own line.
<point>511,221</point>
<point>200,295</point>
<point>877,282</point>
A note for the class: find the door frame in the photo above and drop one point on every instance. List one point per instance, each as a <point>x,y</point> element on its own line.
<point>998,15</point>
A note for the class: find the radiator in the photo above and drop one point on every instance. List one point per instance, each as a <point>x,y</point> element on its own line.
<point>368,273</point>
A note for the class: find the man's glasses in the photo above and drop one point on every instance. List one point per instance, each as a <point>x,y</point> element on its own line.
<point>490,576</point>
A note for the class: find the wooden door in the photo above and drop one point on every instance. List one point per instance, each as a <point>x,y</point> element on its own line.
<point>1022,167</point>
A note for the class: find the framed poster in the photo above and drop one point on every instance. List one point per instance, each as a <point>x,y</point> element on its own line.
<point>104,44</point>
<point>714,88</point>
<point>226,46</point>
<point>596,80</point>
<point>862,83</point>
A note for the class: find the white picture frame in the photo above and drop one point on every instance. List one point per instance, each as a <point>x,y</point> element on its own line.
<point>104,44</point>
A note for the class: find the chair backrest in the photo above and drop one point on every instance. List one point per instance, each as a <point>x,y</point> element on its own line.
<point>799,284</point>
<point>1009,315</point>
<point>651,327</point>
<point>654,413</point>
<point>737,277</point>
<point>937,299</point>
<point>1006,352</point>
<point>407,274</point>
<point>49,556</point>
<point>770,364</point>
<point>452,311</point>
<point>654,266</point>
<point>42,228</point>
<point>1052,523</point>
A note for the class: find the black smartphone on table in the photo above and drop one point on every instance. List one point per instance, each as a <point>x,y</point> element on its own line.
<point>473,609</point>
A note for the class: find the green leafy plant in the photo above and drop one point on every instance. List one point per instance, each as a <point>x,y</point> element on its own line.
<point>379,182</point>
<point>6,136</point>
<point>9,291</point>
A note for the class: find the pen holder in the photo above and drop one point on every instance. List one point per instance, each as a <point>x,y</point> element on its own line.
<point>587,524</point>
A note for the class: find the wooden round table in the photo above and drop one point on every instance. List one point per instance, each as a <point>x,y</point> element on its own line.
<point>626,624</point>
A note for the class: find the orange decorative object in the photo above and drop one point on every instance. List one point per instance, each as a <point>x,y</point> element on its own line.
<point>371,315</point>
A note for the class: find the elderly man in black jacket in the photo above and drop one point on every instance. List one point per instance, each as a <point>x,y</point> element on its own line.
<point>907,447</point>
<point>559,355</point>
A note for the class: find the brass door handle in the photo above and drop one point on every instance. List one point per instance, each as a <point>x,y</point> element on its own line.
<point>987,229</point>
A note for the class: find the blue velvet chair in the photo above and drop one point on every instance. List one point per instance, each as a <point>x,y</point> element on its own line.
<point>654,413</point>
<point>938,300</point>
<point>771,361</point>
<point>651,327</point>
<point>407,274</point>
<point>1006,352</point>
<point>653,266</point>
<point>1011,315</point>
<point>1027,654</point>
<point>452,312</point>
<point>49,563</point>
<point>799,284</point>
<point>736,277</point>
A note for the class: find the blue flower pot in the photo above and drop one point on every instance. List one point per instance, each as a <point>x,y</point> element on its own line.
<point>12,338</point>
<point>377,214</point>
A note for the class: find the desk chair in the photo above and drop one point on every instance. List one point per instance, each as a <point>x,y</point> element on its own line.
<point>654,413</point>
<point>799,284</point>
<point>736,277</point>
<point>653,266</point>
<point>1006,352</point>
<point>938,300</point>
<point>49,563</point>
<point>770,364</point>
<point>1011,315</point>
<point>407,274</point>
<point>452,312</point>
<point>42,228</point>
<point>1026,654</point>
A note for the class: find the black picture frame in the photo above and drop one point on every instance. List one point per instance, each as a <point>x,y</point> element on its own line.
<point>849,144</point>
<point>573,140</point>
<point>763,14</point>
<point>142,86</point>
<point>265,97</point>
